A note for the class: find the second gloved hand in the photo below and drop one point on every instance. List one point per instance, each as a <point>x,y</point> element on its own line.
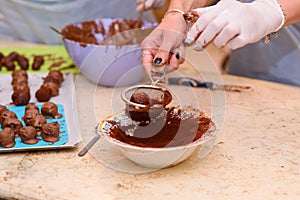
<point>235,24</point>
<point>149,4</point>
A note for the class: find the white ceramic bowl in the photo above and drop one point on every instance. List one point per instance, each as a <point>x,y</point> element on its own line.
<point>158,158</point>
<point>108,65</point>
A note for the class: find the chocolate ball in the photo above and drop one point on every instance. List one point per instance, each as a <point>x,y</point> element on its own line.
<point>9,64</point>
<point>19,73</point>
<point>43,94</point>
<point>2,108</point>
<point>21,97</point>
<point>53,87</point>
<point>23,62</point>
<point>28,135</point>
<point>50,132</point>
<point>31,106</point>
<point>140,98</point>
<point>21,86</point>
<point>19,80</point>
<point>54,76</point>
<point>7,138</point>
<point>29,114</point>
<point>50,110</point>
<point>37,122</point>
<point>38,61</point>
<point>14,124</point>
<point>7,114</point>
<point>12,56</point>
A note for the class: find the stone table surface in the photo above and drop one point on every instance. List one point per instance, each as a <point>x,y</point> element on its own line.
<point>257,154</point>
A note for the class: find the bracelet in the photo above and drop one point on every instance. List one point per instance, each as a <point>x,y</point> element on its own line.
<point>173,10</point>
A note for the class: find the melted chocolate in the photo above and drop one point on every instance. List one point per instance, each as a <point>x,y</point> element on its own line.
<point>173,128</point>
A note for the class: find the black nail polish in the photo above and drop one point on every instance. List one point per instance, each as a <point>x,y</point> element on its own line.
<point>157,61</point>
<point>177,55</point>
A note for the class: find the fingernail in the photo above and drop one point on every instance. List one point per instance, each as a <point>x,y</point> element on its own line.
<point>157,61</point>
<point>177,55</point>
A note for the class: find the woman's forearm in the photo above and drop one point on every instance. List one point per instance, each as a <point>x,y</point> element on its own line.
<point>292,11</point>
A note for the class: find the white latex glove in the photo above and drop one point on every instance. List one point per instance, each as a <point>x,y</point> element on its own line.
<point>149,4</point>
<point>235,24</point>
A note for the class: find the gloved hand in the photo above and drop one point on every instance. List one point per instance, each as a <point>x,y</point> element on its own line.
<point>149,4</point>
<point>235,24</point>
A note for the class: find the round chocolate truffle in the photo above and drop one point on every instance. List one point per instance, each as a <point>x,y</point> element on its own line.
<point>21,97</point>
<point>29,114</point>
<point>31,106</point>
<point>19,73</point>
<point>19,80</point>
<point>23,62</point>
<point>43,94</point>
<point>54,76</point>
<point>7,138</point>
<point>21,86</point>
<point>2,108</point>
<point>140,98</point>
<point>50,132</point>
<point>28,135</point>
<point>37,122</point>
<point>50,110</point>
<point>38,61</point>
<point>14,124</point>
<point>7,114</point>
<point>54,88</point>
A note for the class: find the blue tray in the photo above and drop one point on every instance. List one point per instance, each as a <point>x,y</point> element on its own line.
<point>63,136</point>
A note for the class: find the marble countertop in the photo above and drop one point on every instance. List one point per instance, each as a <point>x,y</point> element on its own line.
<point>257,155</point>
